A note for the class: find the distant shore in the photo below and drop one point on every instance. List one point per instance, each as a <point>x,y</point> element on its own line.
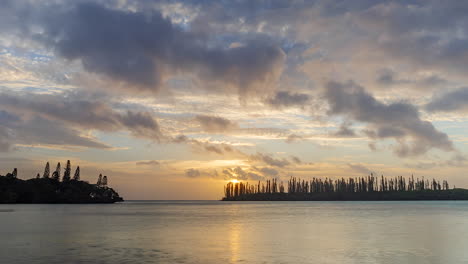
<point>51,191</point>
<point>451,194</point>
<point>54,189</point>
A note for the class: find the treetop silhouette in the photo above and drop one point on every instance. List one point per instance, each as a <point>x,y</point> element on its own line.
<point>51,190</point>
<point>365,188</point>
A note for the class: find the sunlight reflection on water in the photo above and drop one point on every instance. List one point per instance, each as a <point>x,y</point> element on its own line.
<point>229,232</point>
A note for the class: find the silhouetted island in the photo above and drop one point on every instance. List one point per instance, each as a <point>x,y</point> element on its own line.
<point>49,188</point>
<point>352,189</point>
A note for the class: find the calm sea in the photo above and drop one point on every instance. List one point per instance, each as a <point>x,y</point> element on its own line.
<point>236,232</point>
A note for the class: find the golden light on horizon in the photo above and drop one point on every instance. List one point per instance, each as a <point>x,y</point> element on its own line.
<point>234,181</point>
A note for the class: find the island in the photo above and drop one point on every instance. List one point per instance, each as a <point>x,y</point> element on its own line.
<point>53,189</point>
<point>368,188</point>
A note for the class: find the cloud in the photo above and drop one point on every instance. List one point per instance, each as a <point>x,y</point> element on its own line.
<point>296,160</point>
<point>192,173</point>
<point>142,49</point>
<point>269,171</point>
<point>37,130</point>
<point>389,77</point>
<point>359,168</point>
<point>141,124</point>
<point>148,163</point>
<point>457,160</point>
<point>200,145</point>
<point>293,138</point>
<point>82,113</point>
<point>345,131</point>
<point>456,100</point>
<point>288,99</point>
<point>267,159</point>
<point>254,176</point>
<point>215,124</point>
<point>241,174</point>
<point>397,120</point>
<point>6,120</point>
<point>429,36</point>
<point>214,149</point>
<point>5,140</point>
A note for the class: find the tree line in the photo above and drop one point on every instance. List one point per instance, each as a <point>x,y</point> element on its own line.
<point>58,186</point>
<point>370,183</point>
<point>56,174</point>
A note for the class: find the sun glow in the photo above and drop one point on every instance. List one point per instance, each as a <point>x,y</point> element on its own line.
<point>234,181</point>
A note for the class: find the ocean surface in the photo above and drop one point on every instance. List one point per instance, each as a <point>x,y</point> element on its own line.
<point>217,232</point>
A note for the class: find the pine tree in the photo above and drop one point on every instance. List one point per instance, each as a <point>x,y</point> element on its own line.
<point>67,172</point>
<point>104,181</point>
<point>38,176</point>
<point>15,173</point>
<point>46,171</point>
<point>99,181</point>
<point>77,174</point>
<point>56,174</point>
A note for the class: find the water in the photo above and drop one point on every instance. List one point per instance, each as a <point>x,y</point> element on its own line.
<point>236,232</point>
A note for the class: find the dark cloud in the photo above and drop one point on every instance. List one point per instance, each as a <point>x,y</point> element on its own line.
<point>82,113</point>
<point>43,131</point>
<point>267,159</point>
<point>142,49</point>
<point>216,148</point>
<point>192,173</point>
<point>269,171</point>
<point>148,163</point>
<point>180,139</point>
<point>390,77</point>
<point>429,34</point>
<point>140,124</point>
<point>36,130</point>
<point>215,124</point>
<point>254,176</point>
<point>288,99</point>
<point>450,101</point>
<point>345,131</point>
<point>296,160</point>
<point>387,77</point>
<point>397,120</point>
<point>372,146</point>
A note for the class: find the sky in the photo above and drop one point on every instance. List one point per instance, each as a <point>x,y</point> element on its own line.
<point>172,99</point>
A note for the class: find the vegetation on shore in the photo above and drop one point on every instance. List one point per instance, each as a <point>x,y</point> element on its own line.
<point>368,188</point>
<point>49,189</point>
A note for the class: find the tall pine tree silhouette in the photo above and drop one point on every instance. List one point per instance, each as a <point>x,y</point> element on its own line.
<point>104,181</point>
<point>56,174</point>
<point>76,177</point>
<point>99,181</point>
<point>46,171</point>
<point>67,172</point>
